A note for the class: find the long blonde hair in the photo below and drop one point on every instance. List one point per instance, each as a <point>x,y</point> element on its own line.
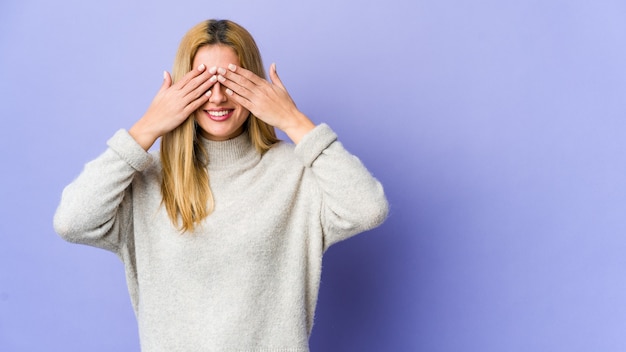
<point>185,183</point>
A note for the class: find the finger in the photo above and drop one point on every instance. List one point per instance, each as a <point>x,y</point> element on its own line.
<point>190,76</point>
<point>203,88</point>
<point>198,86</point>
<point>200,94</point>
<point>196,104</point>
<point>274,76</point>
<point>238,85</point>
<point>242,74</point>
<point>247,104</point>
<point>167,80</point>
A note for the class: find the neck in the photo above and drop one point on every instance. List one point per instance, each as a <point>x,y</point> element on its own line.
<point>229,152</point>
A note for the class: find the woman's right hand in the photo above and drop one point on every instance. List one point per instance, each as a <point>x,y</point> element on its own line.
<point>173,104</point>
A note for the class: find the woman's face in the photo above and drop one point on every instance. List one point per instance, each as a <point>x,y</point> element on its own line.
<point>220,118</point>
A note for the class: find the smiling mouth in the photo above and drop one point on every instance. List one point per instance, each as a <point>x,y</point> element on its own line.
<point>218,115</point>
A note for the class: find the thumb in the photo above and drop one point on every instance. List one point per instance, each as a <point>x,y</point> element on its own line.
<point>274,76</point>
<point>167,80</point>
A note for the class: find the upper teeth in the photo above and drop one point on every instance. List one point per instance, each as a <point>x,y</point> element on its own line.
<point>218,113</point>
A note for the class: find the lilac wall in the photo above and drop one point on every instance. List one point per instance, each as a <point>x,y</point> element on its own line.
<point>497,127</point>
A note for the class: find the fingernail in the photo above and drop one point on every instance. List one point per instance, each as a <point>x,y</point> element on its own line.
<point>208,93</point>
<point>228,91</point>
<point>201,67</point>
<point>221,71</point>
<point>213,78</point>
<point>164,74</point>
<point>213,69</point>
<point>232,67</point>
<point>221,78</point>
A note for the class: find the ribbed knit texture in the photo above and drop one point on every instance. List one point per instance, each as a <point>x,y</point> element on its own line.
<point>247,279</point>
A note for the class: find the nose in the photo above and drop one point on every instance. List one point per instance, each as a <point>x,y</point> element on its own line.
<point>218,94</point>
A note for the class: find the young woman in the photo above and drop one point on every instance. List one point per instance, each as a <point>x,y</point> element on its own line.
<point>222,233</point>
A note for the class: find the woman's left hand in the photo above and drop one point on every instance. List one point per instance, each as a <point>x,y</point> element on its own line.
<point>269,101</point>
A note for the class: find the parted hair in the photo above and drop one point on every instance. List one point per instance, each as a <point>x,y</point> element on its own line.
<point>185,189</point>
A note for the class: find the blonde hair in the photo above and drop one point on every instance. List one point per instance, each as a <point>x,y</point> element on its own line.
<point>185,189</point>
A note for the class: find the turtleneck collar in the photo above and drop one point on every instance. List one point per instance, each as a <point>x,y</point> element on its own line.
<point>231,152</point>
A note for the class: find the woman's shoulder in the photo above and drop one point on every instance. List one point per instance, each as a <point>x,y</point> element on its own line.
<point>281,155</point>
<point>281,150</point>
<point>153,171</point>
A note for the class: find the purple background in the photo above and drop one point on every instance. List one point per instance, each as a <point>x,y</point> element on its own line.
<point>497,128</point>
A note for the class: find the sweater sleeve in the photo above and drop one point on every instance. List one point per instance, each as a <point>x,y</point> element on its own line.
<point>96,208</point>
<point>353,201</point>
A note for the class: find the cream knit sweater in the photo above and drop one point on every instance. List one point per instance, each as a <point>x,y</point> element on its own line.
<point>247,279</point>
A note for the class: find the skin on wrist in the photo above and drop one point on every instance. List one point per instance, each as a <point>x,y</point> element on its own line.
<point>301,127</point>
<point>142,137</point>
